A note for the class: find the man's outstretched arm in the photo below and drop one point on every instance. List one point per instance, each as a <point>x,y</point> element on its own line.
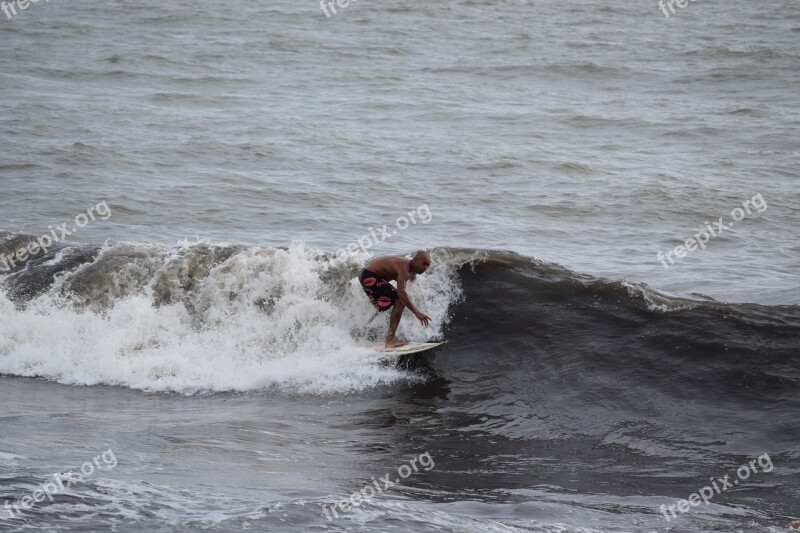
<point>403,296</point>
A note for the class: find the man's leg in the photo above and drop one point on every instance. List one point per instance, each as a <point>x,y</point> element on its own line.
<point>394,321</point>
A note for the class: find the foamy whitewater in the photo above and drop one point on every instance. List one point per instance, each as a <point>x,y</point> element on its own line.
<point>610,200</point>
<point>172,319</point>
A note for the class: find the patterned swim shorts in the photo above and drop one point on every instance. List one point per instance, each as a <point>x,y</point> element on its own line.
<point>379,290</point>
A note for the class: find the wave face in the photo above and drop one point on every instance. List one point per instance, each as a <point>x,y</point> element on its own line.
<point>594,352</point>
<point>205,317</point>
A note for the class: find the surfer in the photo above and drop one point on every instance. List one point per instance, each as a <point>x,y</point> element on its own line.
<point>375,282</point>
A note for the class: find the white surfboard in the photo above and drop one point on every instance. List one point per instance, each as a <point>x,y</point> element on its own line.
<point>413,347</point>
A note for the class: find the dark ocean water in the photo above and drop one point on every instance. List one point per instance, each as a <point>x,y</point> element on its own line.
<point>198,325</point>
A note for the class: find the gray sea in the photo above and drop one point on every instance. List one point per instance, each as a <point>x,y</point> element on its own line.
<point>610,195</point>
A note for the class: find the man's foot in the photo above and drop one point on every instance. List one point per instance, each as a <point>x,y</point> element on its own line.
<point>394,342</point>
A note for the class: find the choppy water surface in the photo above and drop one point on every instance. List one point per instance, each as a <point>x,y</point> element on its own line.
<point>206,332</point>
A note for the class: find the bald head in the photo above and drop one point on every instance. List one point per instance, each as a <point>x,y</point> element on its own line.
<point>420,262</point>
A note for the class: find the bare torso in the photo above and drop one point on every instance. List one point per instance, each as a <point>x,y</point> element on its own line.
<point>389,267</point>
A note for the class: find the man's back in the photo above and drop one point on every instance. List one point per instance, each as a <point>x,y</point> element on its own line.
<point>388,267</point>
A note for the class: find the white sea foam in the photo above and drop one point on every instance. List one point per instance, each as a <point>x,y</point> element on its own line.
<point>260,319</point>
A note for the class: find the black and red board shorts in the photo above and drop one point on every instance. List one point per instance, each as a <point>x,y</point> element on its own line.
<point>379,290</point>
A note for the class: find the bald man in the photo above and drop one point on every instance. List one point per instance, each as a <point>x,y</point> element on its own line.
<point>375,282</point>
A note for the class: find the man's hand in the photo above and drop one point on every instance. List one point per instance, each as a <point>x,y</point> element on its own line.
<point>423,318</point>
